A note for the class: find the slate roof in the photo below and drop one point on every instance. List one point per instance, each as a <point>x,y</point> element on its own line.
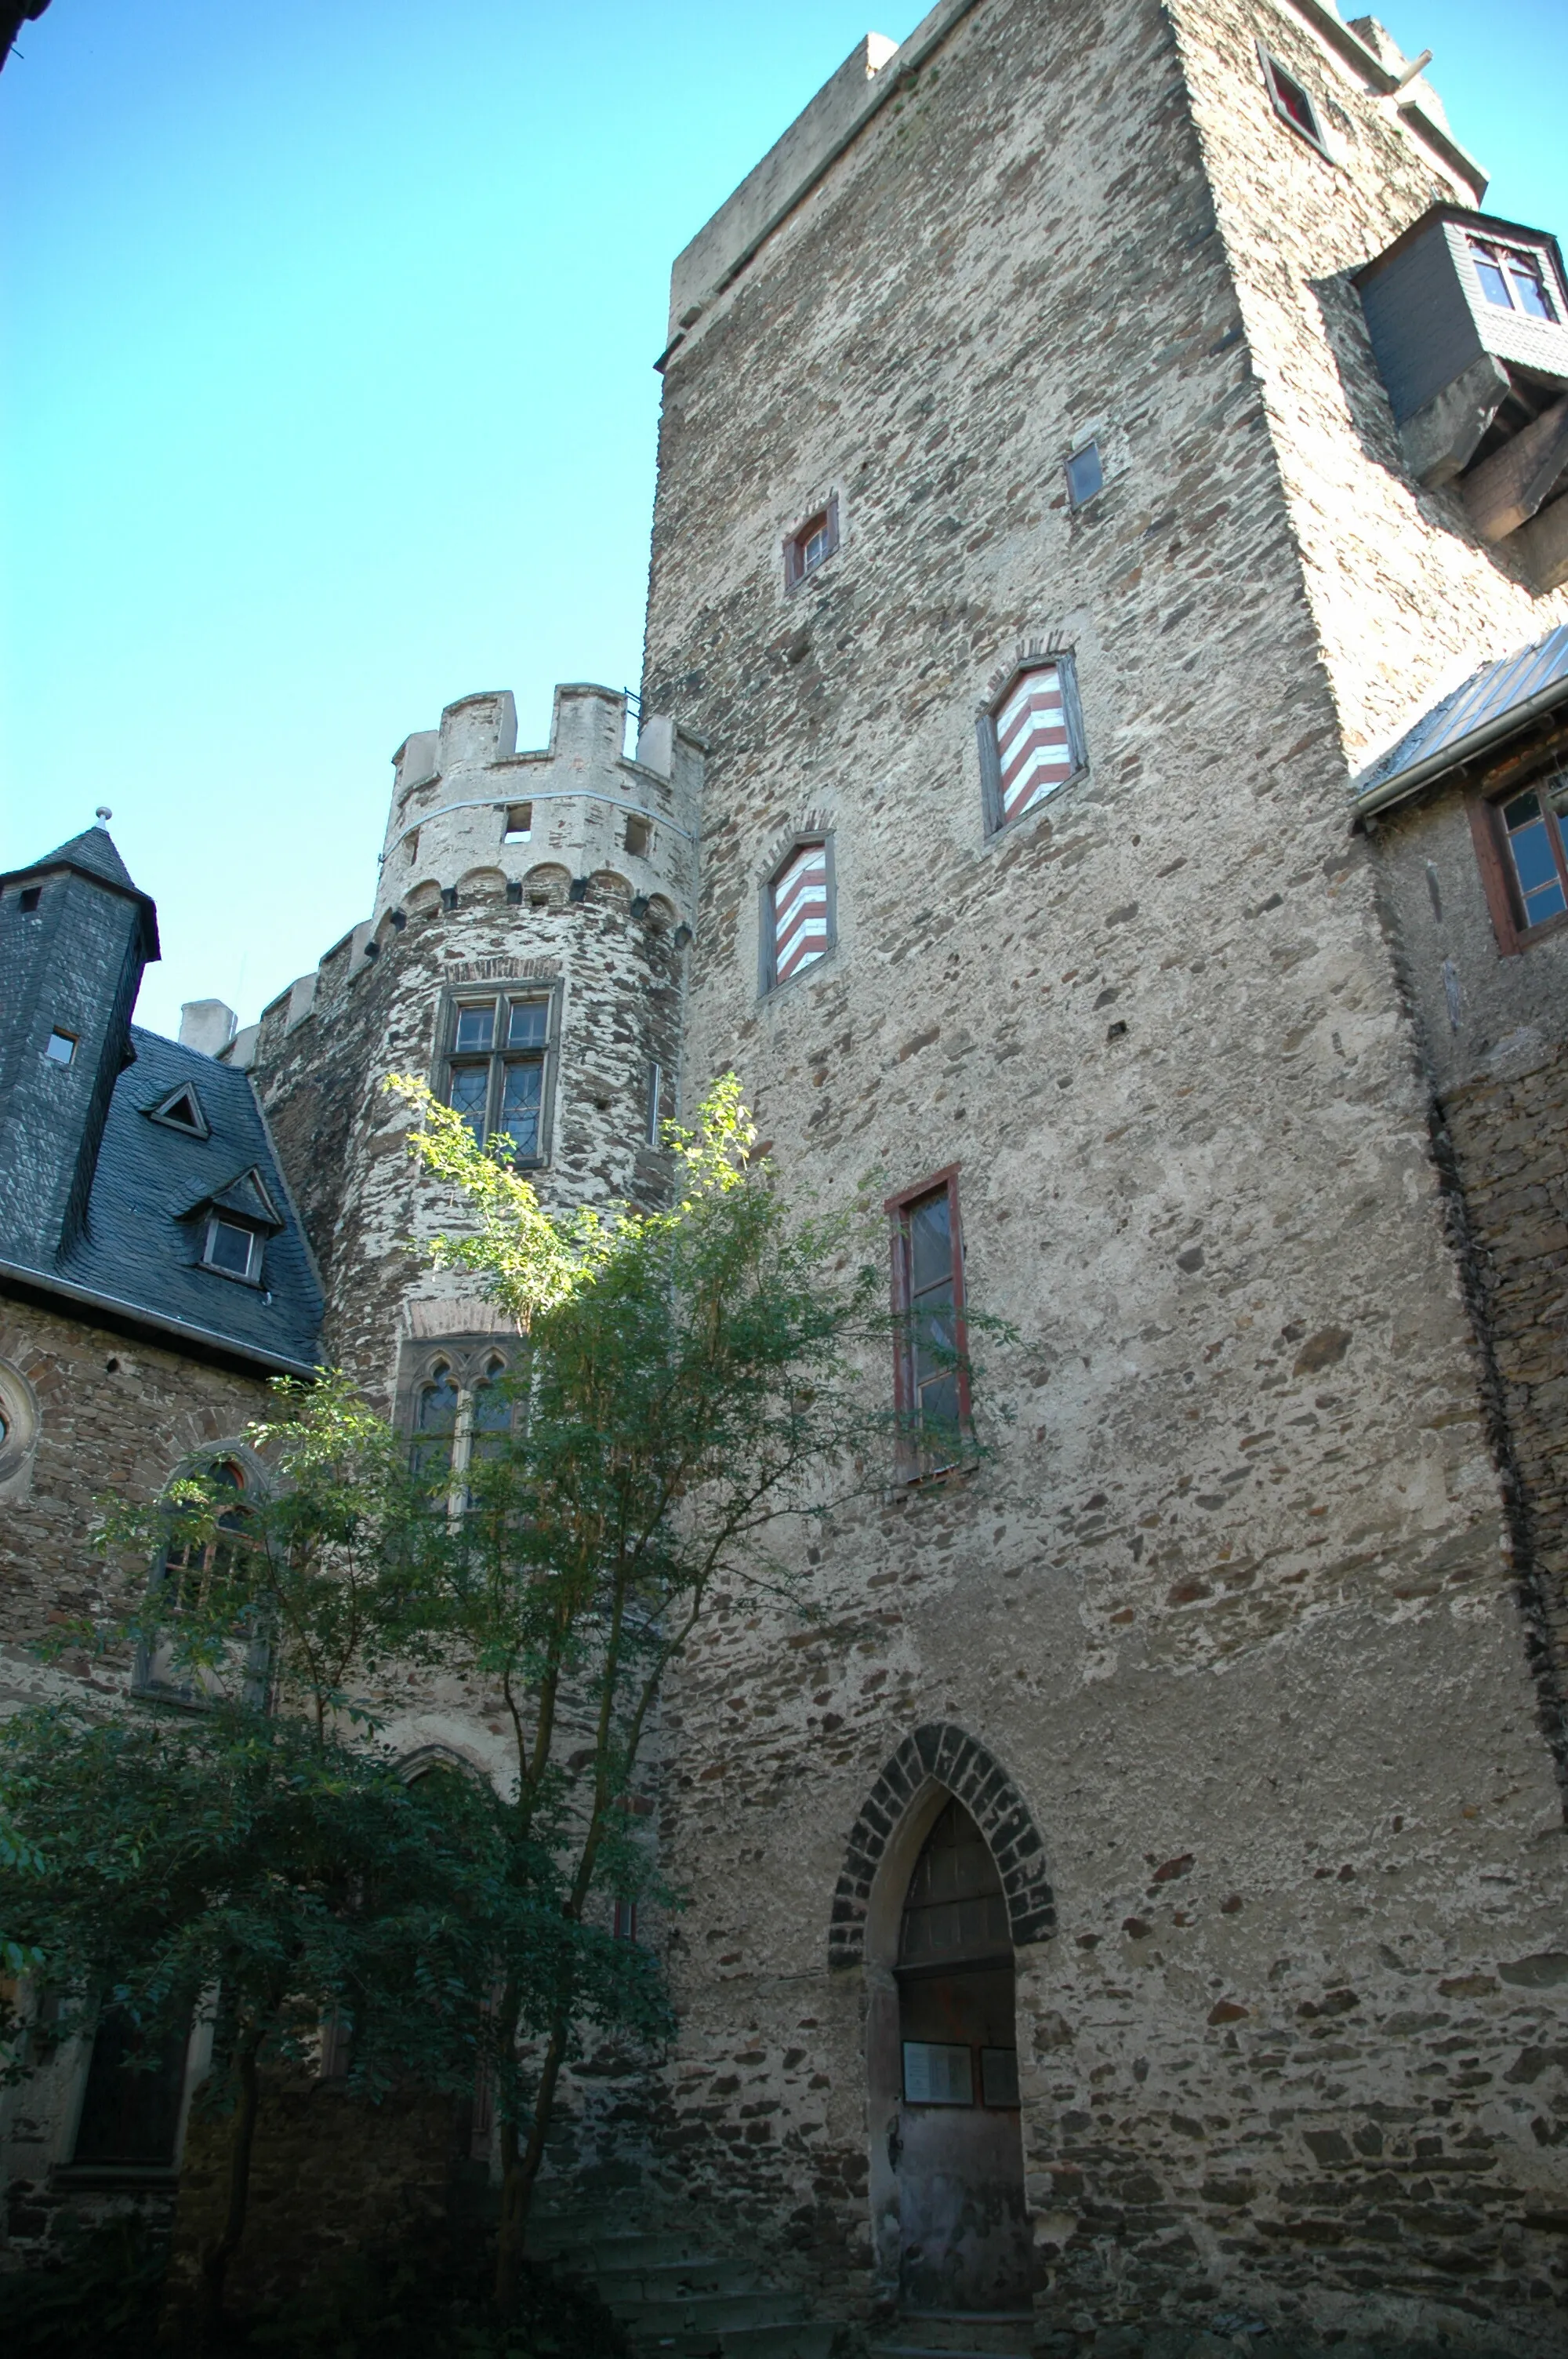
<point>137,1256</point>
<point>1491,705</point>
<point>92,853</point>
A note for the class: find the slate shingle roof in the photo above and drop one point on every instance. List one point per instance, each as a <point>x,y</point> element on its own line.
<point>139,1255</point>
<point>92,853</point>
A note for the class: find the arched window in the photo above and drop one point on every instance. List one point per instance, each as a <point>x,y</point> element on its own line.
<point>435,1424</point>
<point>492,1411</point>
<point>196,1573</point>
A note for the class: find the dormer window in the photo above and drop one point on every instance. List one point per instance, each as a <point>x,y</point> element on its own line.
<point>181,1110</point>
<point>811,544</point>
<point>232,1248</point>
<point>1512,278</point>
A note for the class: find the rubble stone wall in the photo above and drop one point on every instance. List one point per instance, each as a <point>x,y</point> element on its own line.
<point>1232,1604</point>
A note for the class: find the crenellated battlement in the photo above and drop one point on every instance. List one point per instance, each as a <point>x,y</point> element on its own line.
<point>469,810</point>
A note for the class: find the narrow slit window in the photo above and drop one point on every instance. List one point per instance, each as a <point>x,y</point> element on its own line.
<point>1031,740</point>
<point>931,1383</point>
<point>798,916</point>
<point>655,1104</point>
<point>811,544</point>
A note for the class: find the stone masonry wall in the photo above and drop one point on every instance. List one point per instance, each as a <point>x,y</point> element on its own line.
<point>344,1142</point>
<point>1231,1606</point>
<point>116,1418</point>
<point>1508,1129</point>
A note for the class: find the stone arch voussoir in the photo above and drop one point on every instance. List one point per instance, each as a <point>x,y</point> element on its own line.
<point>947,1754</point>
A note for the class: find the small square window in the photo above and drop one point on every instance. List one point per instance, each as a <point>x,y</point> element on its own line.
<point>810,546</point>
<point>476,1028</point>
<point>1086,474</point>
<point>60,1048</point>
<point>639,835</point>
<point>29,896</point>
<point>519,824</point>
<point>231,1247</point>
<point>1292,101</point>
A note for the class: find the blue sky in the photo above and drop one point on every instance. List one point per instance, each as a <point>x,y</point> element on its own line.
<point>328,332</point>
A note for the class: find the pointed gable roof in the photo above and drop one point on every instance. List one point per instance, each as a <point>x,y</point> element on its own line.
<point>246,1195</point>
<point>92,853</point>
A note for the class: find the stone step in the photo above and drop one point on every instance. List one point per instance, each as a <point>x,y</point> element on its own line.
<point>667,2280</point>
<point>798,2338</point>
<point>599,2246</point>
<point>959,2334</point>
<point>711,2314</point>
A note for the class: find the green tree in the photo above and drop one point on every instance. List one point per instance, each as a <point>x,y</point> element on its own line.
<point>241,1863</point>
<point>693,1377</point>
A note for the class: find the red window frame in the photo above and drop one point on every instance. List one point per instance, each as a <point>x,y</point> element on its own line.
<point>915,1461</point>
<point>823,521</point>
<point>1499,880</point>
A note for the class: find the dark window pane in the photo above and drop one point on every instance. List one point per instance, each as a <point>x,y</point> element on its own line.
<point>998,2075</point>
<point>1294,102</point>
<point>471,1087</point>
<point>938,1399</point>
<point>476,1030</point>
<point>930,1242</point>
<point>229,1247</point>
<point>438,1404</point>
<point>530,1019</point>
<point>520,1095</point>
<point>131,2109</point>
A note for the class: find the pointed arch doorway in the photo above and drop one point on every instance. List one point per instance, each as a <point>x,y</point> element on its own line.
<point>954,2145</point>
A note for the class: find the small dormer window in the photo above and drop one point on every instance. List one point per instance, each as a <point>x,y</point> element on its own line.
<point>232,1248</point>
<point>1292,101</point>
<point>1512,278</point>
<point>181,1110</point>
<point>28,899</point>
<point>811,544</point>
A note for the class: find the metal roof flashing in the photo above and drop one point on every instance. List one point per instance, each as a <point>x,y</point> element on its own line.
<point>1497,702</point>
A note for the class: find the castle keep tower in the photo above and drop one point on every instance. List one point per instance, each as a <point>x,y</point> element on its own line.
<point>1037,548</point>
<point>525,949</point>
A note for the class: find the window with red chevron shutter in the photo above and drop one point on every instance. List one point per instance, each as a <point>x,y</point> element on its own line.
<point>1031,740</point>
<point>798,912</point>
